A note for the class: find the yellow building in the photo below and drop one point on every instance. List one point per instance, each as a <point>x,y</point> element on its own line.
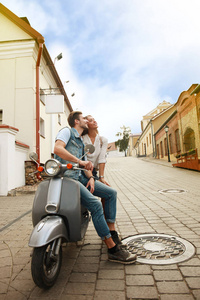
<point>145,145</point>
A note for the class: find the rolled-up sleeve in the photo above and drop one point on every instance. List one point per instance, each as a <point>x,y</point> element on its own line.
<point>103,150</point>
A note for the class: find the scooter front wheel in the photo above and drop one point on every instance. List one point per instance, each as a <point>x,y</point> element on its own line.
<point>45,266</point>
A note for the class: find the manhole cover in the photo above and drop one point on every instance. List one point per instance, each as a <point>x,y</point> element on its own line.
<point>172,191</point>
<point>159,249</point>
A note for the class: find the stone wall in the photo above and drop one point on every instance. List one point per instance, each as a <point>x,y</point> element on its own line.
<point>30,178</point>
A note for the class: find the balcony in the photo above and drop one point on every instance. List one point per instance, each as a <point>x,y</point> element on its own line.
<point>188,160</point>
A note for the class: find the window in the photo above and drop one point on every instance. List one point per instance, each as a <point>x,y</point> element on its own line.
<point>161,149</point>
<point>177,137</point>
<point>150,138</point>
<point>165,145</point>
<point>170,144</point>
<point>158,153</point>
<point>1,116</point>
<point>147,142</point>
<point>42,127</point>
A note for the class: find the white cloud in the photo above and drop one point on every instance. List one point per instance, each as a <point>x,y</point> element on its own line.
<point>122,57</point>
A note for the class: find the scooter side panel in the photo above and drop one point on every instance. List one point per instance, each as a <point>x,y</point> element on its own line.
<point>47,230</point>
<point>70,207</point>
<point>40,201</point>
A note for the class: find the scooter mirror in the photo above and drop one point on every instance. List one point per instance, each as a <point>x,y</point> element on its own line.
<point>33,156</point>
<point>89,148</point>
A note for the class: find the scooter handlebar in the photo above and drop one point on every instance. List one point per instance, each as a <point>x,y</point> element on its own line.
<point>73,167</point>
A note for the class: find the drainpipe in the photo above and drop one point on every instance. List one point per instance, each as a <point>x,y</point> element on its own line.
<point>38,100</point>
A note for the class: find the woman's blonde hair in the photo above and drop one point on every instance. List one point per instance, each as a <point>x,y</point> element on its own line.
<point>85,131</point>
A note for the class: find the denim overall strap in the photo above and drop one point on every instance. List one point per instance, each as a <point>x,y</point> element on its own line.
<point>76,147</point>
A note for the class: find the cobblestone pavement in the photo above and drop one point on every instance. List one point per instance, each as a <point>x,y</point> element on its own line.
<point>86,274</point>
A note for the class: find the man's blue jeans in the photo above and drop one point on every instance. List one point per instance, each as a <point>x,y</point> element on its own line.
<point>93,204</point>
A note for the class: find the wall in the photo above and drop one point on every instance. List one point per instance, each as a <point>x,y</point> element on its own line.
<point>12,159</point>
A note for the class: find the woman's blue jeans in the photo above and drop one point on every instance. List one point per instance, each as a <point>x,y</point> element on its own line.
<point>94,205</point>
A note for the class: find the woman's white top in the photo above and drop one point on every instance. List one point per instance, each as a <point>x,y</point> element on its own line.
<point>100,144</point>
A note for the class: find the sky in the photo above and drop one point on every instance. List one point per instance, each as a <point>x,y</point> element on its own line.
<point>121,58</point>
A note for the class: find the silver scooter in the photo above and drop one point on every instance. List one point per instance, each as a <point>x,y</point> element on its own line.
<point>57,217</point>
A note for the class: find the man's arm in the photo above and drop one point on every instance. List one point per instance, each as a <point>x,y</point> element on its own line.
<point>60,150</point>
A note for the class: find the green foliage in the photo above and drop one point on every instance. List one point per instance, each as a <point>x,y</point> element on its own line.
<point>123,142</point>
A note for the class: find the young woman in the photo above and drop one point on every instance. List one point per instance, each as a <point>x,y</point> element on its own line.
<point>98,158</point>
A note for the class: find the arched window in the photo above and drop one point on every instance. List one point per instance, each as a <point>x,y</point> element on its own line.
<point>189,139</point>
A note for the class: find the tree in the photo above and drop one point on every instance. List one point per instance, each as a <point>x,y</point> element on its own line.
<point>123,142</point>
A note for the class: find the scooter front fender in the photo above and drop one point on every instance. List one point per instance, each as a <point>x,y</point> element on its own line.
<point>47,230</point>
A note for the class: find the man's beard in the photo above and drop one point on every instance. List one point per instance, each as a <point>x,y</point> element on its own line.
<point>84,126</point>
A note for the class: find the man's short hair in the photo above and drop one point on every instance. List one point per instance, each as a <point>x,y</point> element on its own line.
<point>74,115</point>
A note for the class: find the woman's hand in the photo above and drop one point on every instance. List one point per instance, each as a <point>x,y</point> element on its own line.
<point>104,181</point>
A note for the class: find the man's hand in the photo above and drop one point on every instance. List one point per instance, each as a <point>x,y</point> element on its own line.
<point>88,165</point>
<point>91,185</point>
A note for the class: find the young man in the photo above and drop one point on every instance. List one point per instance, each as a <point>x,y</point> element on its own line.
<point>69,147</point>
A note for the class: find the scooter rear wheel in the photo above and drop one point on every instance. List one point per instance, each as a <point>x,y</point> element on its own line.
<point>45,268</point>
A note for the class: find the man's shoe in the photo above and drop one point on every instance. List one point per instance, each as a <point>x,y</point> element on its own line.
<point>122,256</point>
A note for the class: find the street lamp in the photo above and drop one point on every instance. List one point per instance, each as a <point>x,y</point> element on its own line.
<point>58,57</point>
<point>166,130</point>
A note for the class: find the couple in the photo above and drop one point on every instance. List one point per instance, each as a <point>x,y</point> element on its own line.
<point>69,147</point>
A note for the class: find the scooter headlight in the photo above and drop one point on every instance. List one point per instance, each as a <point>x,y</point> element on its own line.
<point>52,167</point>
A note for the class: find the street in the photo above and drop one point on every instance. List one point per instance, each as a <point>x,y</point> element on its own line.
<point>141,209</point>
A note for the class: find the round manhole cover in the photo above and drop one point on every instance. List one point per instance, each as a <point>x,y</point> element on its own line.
<point>159,249</point>
<point>172,191</point>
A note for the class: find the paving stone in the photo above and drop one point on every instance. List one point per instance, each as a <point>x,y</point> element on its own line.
<point>193,282</point>
<point>139,280</point>
<point>165,267</point>
<point>83,277</point>
<point>138,269</point>
<point>191,262</point>
<point>3,288</point>
<point>172,287</point>
<point>176,297</point>
<point>142,292</point>
<point>88,260</point>
<point>196,294</point>
<point>80,289</point>
<point>167,275</point>
<point>111,274</point>
<point>106,264</point>
<point>83,268</point>
<point>110,285</point>
<point>74,297</point>
<point>108,295</point>
<point>90,253</point>
<point>190,271</point>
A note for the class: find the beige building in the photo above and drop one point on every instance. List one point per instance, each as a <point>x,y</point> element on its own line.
<point>131,144</point>
<point>145,145</point>
<point>27,78</point>
<point>161,107</point>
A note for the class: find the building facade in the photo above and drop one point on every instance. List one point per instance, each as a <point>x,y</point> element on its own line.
<point>27,77</point>
<point>184,127</point>
<point>145,145</point>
